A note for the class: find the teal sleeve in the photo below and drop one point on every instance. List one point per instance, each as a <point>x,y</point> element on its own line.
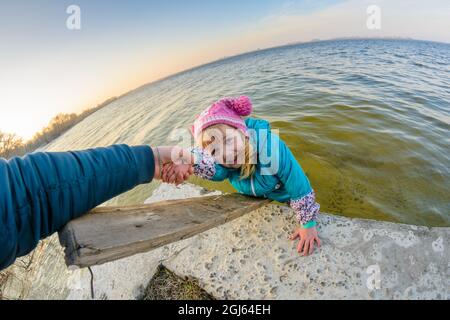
<point>42,191</point>
<point>309,224</point>
<point>221,174</point>
<point>287,168</point>
<point>294,180</point>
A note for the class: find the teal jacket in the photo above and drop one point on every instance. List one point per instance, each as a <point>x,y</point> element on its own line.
<point>278,175</point>
<point>42,191</point>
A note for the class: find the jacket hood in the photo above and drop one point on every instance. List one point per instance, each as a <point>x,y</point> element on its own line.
<point>257,124</point>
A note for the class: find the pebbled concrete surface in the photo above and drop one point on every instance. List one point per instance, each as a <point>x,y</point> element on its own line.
<point>251,257</point>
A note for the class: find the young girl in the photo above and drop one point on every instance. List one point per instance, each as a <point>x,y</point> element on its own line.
<point>255,161</point>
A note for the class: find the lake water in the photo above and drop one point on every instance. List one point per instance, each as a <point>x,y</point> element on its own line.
<point>369,121</point>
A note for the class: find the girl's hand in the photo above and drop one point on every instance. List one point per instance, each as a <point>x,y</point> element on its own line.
<point>307,237</point>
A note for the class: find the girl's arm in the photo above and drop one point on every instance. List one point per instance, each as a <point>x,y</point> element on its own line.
<point>290,173</point>
<point>302,200</point>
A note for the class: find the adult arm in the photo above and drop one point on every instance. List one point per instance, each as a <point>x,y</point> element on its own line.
<point>42,191</point>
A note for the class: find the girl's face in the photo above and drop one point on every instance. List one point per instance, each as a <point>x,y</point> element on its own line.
<point>226,144</point>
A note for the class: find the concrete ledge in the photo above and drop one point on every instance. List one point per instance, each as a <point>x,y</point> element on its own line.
<point>251,257</point>
<point>359,259</point>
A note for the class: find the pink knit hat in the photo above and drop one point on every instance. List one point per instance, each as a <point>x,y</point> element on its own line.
<point>225,111</point>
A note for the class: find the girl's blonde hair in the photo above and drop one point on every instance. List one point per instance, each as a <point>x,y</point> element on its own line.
<point>249,165</point>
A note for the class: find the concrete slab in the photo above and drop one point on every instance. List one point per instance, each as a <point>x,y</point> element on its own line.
<point>251,258</point>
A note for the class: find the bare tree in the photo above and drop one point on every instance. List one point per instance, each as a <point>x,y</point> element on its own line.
<point>13,145</point>
<point>10,144</point>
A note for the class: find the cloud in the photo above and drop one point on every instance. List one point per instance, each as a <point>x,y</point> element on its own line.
<point>416,19</point>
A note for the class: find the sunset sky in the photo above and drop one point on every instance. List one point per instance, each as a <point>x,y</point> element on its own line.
<point>45,68</point>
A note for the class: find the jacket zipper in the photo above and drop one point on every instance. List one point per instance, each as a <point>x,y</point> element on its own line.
<point>253,187</point>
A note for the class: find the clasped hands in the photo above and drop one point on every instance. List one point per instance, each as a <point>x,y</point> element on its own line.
<point>176,173</point>
<point>173,164</point>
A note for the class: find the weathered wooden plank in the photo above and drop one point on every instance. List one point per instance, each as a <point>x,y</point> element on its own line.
<point>111,233</point>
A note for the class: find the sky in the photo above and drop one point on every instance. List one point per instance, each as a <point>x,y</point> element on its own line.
<point>46,68</point>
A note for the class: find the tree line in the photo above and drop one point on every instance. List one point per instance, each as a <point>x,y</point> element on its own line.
<point>13,145</point>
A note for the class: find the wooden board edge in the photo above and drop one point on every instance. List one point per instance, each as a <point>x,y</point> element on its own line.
<point>86,260</point>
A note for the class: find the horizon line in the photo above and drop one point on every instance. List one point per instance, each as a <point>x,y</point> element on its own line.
<point>291,44</point>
